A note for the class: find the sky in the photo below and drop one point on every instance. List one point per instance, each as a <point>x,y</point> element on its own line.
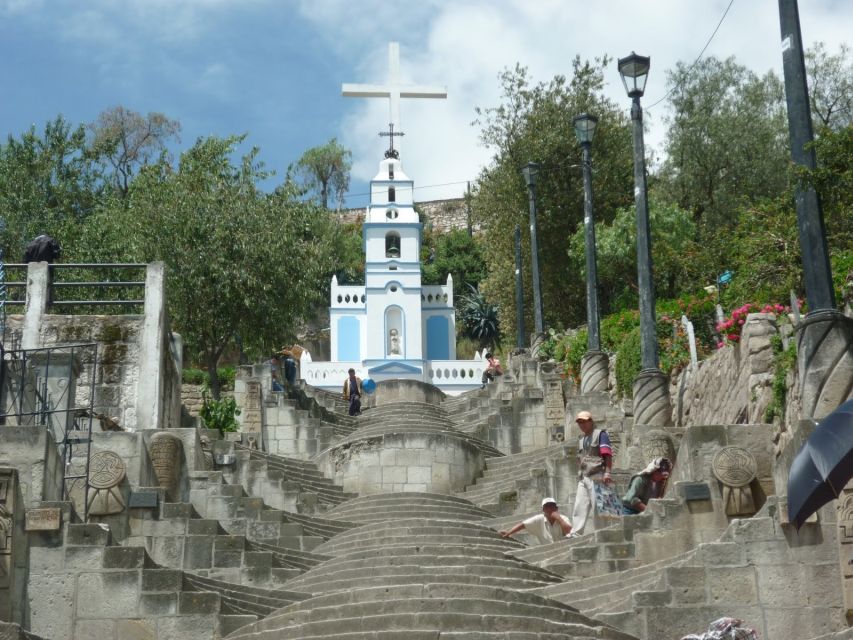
<point>273,69</point>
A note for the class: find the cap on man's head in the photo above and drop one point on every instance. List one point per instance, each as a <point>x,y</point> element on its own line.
<point>546,501</point>
<point>583,415</point>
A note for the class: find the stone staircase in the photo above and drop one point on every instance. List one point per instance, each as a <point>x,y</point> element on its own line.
<point>515,484</point>
<point>95,589</point>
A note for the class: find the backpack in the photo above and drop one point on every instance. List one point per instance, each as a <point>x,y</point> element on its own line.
<point>43,248</point>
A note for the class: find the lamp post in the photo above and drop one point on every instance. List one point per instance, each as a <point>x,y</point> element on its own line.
<point>594,365</point>
<point>825,332</point>
<point>530,172</point>
<point>519,291</point>
<point>651,389</point>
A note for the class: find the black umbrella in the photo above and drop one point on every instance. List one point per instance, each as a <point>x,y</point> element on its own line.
<point>823,466</point>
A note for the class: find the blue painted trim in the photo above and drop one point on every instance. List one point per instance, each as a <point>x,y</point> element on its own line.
<point>395,367</point>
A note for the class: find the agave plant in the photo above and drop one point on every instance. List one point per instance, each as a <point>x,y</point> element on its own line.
<point>479,318</point>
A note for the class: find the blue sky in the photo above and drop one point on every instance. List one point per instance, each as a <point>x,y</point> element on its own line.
<point>273,68</point>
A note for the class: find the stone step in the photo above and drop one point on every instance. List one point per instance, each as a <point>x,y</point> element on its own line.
<point>553,451</point>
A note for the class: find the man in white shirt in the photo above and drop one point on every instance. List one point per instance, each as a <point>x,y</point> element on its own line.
<point>547,527</point>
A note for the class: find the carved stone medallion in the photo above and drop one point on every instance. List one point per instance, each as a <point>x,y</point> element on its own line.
<point>734,466</point>
<point>106,471</point>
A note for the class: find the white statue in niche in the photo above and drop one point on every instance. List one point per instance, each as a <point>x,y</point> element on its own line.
<point>393,343</point>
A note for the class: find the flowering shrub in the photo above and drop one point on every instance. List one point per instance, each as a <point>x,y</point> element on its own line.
<point>731,327</point>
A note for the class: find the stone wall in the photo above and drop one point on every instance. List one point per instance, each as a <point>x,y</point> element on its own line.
<point>734,385</point>
<point>443,215</point>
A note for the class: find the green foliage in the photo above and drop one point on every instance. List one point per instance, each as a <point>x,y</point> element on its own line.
<point>226,376</point>
<point>628,363</point>
<point>455,253</point>
<point>784,360</point>
<point>48,184</point>
<point>616,247</point>
<point>237,260</point>
<point>324,170</point>
<point>348,254</point>
<point>479,319</point>
<point>830,79</point>
<point>220,414</point>
<point>124,141</point>
<point>534,122</point>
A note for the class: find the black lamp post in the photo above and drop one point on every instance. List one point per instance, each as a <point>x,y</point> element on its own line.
<point>585,130</point>
<point>530,171</point>
<point>595,364</point>
<point>634,70</point>
<point>651,388</point>
<point>519,291</point>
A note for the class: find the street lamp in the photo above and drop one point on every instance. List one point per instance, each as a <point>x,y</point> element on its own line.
<point>594,365</point>
<point>519,291</point>
<point>651,389</point>
<point>530,171</point>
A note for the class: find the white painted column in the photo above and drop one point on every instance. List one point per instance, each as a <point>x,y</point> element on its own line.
<point>38,294</point>
<point>149,387</point>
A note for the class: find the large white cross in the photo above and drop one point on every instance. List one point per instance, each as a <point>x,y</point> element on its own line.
<point>393,90</point>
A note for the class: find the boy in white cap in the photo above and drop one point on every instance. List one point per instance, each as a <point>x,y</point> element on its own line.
<point>547,527</point>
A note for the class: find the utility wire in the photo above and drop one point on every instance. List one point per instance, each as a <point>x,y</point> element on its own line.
<point>699,57</point>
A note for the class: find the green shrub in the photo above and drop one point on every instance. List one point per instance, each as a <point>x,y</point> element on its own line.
<point>628,363</point>
<point>220,414</point>
<point>783,361</point>
<point>226,377</point>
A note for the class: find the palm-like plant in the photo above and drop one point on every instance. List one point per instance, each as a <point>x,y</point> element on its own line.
<point>479,318</point>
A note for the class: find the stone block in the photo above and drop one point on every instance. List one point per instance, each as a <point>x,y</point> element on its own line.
<point>87,534</point>
<point>158,604</point>
<point>83,558</point>
<point>394,475</point>
<point>732,585</point>
<point>198,602</point>
<point>722,553</point>
<point>161,580</point>
<point>199,554</point>
<point>652,598</point>
<point>687,584</point>
<point>801,622</point>
<point>187,627</point>
<point>94,630</point>
<point>422,475</point>
<point>51,604</point>
<point>47,560</point>
<point>136,629</point>
<point>108,595</point>
<point>123,558</point>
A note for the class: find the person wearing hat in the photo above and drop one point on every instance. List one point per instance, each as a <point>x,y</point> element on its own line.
<point>595,460</point>
<point>547,527</point>
<point>647,485</point>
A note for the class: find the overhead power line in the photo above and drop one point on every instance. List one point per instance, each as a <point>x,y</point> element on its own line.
<point>701,53</point>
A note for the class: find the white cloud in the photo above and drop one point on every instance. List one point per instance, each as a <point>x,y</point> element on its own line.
<point>464,45</point>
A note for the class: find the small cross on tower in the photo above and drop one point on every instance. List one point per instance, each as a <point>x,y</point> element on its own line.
<point>391,153</point>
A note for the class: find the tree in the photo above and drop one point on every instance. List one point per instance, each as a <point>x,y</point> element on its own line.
<point>673,252</point>
<point>48,184</point>
<point>830,86</point>
<point>534,122</point>
<point>325,170</point>
<point>237,260</point>
<point>454,253</point>
<point>126,140</point>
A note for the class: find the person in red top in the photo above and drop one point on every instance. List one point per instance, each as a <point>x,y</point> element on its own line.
<point>493,369</point>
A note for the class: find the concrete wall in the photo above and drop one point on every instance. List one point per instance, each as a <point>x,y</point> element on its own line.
<point>137,379</point>
<point>429,462</point>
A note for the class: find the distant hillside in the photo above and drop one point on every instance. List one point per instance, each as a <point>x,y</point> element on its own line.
<point>443,215</point>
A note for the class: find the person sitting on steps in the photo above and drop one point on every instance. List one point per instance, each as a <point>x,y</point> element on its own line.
<point>647,485</point>
<point>547,527</point>
<point>493,369</point>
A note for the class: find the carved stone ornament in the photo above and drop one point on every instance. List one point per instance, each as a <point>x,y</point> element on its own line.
<point>658,444</point>
<point>736,468</point>
<point>166,450</point>
<point>106,471</point>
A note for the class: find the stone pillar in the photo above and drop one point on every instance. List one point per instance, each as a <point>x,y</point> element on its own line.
<point>38,297</point>
<point>825,362</point>
<point>8,591</point>
<point>651,398</point>
<point>149,390</point>
<point>594,371</point>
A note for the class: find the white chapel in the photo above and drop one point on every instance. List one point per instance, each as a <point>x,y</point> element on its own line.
<point>393,327</point>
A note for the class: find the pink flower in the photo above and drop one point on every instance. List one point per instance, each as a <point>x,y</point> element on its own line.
<point>740,322</point>
<point>721,344</point>
<point>733,337</point>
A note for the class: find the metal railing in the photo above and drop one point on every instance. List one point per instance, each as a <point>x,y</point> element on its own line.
<point>27,399</point>
<point>111,285</point>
